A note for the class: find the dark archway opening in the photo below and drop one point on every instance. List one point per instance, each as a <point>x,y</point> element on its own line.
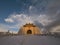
<point>29,32</point>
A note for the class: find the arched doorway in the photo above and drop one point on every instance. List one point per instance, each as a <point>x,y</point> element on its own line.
<point>29,32</point>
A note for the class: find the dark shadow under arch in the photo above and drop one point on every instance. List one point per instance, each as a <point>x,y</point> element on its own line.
<point>29,32</point>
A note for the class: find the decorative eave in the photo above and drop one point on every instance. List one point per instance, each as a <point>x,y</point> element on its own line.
<point>29,25</point>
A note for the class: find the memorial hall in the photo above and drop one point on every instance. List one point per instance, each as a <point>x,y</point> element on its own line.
<point>29,28</point>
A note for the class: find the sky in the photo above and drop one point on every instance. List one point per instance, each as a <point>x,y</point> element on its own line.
<point>43,13</point>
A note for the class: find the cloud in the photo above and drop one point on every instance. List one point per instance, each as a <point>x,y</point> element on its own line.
<point>18,21</point>
<point>21,19</point>
<point>44,13</point>
<point>55,29</point>
<point>9,20</point>
<point>45,20</point>
<point>30,7</point>
<point>3,28</point>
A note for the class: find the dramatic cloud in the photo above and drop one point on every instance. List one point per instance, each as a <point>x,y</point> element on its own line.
<point>21,19</point>
<point>18,20</point>
<point>44,13</point>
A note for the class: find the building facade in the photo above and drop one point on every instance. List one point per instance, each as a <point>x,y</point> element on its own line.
<point>29,29</point>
